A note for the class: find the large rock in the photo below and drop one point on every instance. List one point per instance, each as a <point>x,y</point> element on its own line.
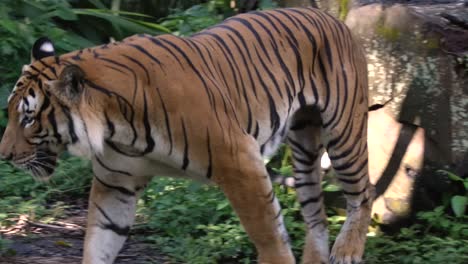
<point>417,61</point>
<point>417,56</point>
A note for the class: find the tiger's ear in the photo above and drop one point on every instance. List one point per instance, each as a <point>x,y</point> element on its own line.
<point>42,48</point>
<point>69,87</point>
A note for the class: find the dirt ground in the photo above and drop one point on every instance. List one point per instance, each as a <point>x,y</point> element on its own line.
<point>61,241</point>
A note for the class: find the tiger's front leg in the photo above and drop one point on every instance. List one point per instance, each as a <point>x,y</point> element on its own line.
<point>111,213</point>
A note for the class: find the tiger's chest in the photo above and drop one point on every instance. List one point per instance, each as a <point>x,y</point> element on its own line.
<point>115,166</point>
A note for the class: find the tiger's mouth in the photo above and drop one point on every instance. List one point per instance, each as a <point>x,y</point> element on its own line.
<point>40,164</point>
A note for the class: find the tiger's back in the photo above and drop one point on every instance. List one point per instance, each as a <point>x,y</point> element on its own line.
<point>283,59</point>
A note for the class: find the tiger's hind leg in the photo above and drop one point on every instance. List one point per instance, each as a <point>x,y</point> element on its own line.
<point>304,140</point>
<point>347,148</point>
<point>244,180</point>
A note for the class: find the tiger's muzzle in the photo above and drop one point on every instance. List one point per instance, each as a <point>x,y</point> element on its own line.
<point>41,164</point>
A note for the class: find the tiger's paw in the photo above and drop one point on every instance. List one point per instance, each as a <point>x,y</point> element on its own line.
<point>349,247</point>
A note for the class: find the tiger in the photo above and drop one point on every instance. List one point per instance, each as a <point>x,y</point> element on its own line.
<point>207,107</point>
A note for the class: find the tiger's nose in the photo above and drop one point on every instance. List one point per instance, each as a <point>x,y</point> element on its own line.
<point>6,157</point>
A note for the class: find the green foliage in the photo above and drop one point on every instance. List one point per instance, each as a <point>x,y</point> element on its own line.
<point>458,202</point>
<point>23,21</point>
<point>436,238</point>
<point>21,194</point>
<point>267,4</point>
<point>194,19</point>
<point>205,228</point>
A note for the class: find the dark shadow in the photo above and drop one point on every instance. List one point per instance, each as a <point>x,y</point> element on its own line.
<point>404,139</point>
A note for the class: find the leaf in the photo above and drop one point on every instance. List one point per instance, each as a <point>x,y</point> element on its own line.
<point>62,243</point>
<point>459,205</point>
<point>151,25</point>
<point>222,205</point>
<point>451,175</point>
<point>332,188</point>
<point>123,22</point>
<point>98,4</point>
<point>118,12</point>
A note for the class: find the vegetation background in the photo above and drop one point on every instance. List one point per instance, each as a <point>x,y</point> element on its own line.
<point>189,222</point>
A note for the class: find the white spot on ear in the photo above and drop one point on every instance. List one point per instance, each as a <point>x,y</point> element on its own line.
<point>47,47</point>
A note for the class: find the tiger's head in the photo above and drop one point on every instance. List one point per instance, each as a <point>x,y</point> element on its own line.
<point>40,112</point>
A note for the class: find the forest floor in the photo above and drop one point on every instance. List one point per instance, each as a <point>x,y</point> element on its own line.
<point>61,241</point>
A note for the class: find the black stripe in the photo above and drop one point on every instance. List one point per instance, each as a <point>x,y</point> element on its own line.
<point>121,231</point>
<point>124,106</point>
<point>110,125</point>
<point>337,97</point>
<point>345,98</point>
<point>186,161</point>
<point>195,70</point>
<point>141,66</point>
<point>311,200</point>
<point>301,160</point>
<point>149,139</point>
<point>141,49</point>
<point>71,125</point>
<point>271,196</point>
<point>355,193</point>
<point>298,185</point>
<point>278,214</point>
<point>304,171</point>
<point>257,130</point>
<point>53,123</point>
<point>160,44</point>
<point>234,68</point>
<point>270,74</point>
<point>298,147</point>
<point>276,49</point>
<point>110,169</point>
<point>274,116</point>
<point>210,162</point>
<point>50,67</point>
<point>352,145</point>
<point>360,168</point>
<point>135,79</point>
<point>167,121</point>
<point>351,181</point>
<point>294,46</point>
<point>120,189</point>
<point>247,66</point>
<point>255,33</point>
<point>301,124</point>
<point>41,72</point>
